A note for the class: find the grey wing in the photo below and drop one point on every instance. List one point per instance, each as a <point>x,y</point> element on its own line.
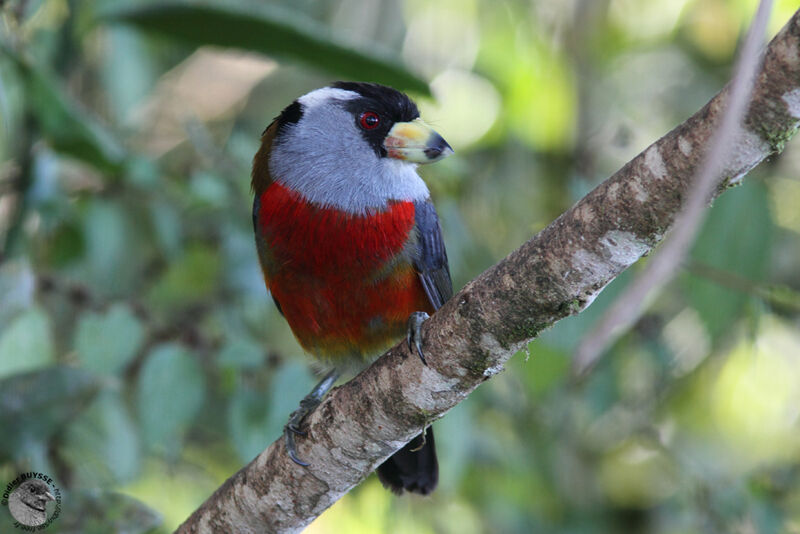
<point>430,262</point>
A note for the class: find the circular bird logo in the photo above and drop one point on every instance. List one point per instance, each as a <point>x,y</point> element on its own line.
<point>28,497</point>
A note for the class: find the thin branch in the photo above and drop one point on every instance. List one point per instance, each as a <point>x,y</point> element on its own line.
<point>555,274</point>
<point>666,263</point>
<point>778,296</point>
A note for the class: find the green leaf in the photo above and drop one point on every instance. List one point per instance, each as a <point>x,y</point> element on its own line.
<point>241,351</point>
<point>107,232</point>
<point>455,439</point>
<point>68,128</point>
<point>128,70</point>
<point>105,343</point>
<point>736,237</point>
<point>36,405</point>
<point>17,284</point>
<point>249,422</point>
<point>170,393</point>
<point>208,189</point>
<point>271,31</point>
<point>256,418</point>
<point>188,280</point>
<point>5,108</point>
<point>102,444</point>
<point>65,245</point>
<point>167,227</point>
<point>289,385</point>
<point>26,343</point>
<point>544,369</point>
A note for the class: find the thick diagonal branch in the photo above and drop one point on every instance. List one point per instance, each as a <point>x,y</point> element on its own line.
<point>555,274</point>
<point>666,263</point>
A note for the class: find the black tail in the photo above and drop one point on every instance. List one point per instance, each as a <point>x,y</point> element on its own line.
<point>413,468</point>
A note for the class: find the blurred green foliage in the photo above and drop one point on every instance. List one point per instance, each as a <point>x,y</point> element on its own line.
<point>142,362</point>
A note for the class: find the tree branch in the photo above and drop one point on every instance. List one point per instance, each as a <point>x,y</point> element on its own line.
<point>662,268</point>
<point>556,274</point>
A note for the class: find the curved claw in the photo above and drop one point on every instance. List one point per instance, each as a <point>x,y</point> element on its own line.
<point>291,449</point>
<point>414,333</point>
<point>294,429</point>
<point>307,406</point>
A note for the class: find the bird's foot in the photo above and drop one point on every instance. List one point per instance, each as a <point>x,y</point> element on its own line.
<point>414,333</point>
<point>307,405</point>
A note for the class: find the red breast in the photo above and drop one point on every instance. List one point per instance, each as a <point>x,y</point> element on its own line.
<point>344,282</point>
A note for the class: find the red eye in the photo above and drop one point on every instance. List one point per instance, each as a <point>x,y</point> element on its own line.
<point>369,120</point>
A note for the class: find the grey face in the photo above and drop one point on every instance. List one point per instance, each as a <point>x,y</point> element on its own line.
<point>376,110</point>
<point>323,151</point>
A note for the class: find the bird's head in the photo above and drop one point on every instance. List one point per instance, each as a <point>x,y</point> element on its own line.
<point>35,494</point>
<point>352,146</point>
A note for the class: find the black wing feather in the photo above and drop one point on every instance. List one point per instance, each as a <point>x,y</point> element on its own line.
<point>430,261</point>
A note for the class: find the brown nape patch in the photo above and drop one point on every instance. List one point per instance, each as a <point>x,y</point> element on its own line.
<point>260,177</point>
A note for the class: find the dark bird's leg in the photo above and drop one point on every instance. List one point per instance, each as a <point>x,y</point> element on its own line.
<point>307,406</point>
<point>414,333</point>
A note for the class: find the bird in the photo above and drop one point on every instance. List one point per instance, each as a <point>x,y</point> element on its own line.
<point>349,241</point>
<point>28,503</point>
